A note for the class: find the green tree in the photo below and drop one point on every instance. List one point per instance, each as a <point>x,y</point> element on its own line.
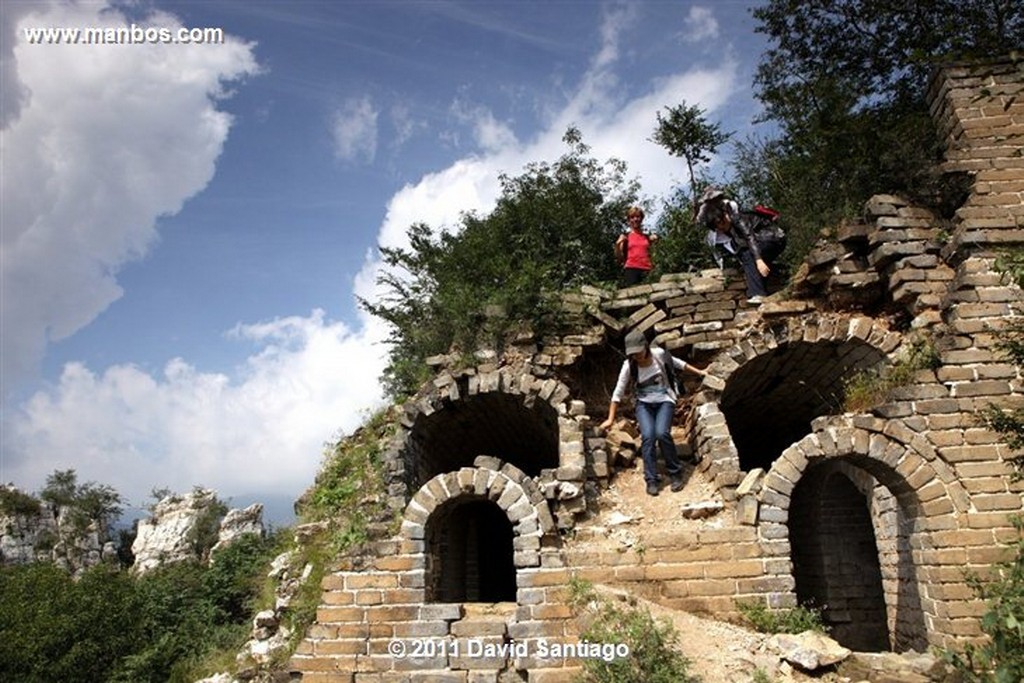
<point>685,132</point>
<point>87,503</point>
<point>845,83</point>
<point>552,228</point>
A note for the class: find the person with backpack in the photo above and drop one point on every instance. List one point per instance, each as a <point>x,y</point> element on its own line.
<point>730,233</point>
<point>633,249</point>
<point>652,373</point>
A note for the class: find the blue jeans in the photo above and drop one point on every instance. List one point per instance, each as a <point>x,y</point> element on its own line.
<point>655,422</point>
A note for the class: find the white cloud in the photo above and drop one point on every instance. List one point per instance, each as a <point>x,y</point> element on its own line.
<point>263,432</point>
<point>700,25</point>
<point>262,429</point>
<point>354,129</point>
<point>70,223</point>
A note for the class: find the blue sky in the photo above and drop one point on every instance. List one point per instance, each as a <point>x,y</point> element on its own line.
<point>185,229</point>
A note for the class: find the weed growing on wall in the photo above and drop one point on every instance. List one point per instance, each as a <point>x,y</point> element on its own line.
<point>654,656</point>
<point>871,387</point>
<point>790,620</point>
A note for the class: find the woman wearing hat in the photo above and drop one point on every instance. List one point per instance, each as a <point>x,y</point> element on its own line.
<point>728,235</point>
<point>653,371</point>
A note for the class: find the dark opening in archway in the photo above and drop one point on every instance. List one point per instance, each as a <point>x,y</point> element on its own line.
<point>495,424</point>
<point>836,560</point>
<point>770,401</point>
<point>470,553</point>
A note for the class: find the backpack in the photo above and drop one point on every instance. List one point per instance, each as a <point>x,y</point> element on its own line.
<point>765,229</point>
<point>667,369</point>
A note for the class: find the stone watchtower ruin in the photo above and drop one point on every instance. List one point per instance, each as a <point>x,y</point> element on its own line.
<point>873,514</point>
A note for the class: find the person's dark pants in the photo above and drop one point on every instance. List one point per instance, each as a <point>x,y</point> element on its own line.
<point>634,276</point>
<point>755,282</point>
<point>655,422</point>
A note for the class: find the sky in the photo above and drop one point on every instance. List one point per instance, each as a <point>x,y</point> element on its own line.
<point>186,229</point>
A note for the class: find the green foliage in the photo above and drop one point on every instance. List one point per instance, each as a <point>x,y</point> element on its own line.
<point>61,488</point>
<point>1000,659</point>
<point>682,247</point>
<point>108,626</point>
<point>845,82</point>
<point>15,502</point>
<point>88,503</point>
<point>552,228</point>
<point>685,132</point>
<point>653,658</point>
<point>789,620</point>
<point>868,388</point>
<point>53,628</point>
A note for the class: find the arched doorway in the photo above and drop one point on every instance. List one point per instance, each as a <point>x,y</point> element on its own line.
<point>835,553</point>
<point>469,553</point>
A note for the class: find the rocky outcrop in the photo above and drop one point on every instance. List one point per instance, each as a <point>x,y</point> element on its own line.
<point>189,527</point>
<point>40,532</point>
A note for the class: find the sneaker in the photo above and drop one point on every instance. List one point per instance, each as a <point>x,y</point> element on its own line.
<point>652,489</point>
<point>677,483</point>
<point>755,300</point>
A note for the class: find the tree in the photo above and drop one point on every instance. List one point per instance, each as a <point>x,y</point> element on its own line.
<point>845,82</point>
<point>684,132</point>
<point>552,228</point>
<point>87,503</point>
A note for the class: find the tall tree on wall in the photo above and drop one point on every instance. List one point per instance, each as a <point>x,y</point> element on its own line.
<point>845,82</point>
<point>685,132</point>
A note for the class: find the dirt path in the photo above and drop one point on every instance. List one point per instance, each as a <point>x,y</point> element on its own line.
<point>719,652</point>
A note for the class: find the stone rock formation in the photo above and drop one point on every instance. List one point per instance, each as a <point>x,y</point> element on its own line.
<point>175,530</point>
<point>48,534</point>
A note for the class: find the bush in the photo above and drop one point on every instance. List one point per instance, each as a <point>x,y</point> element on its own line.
<point>790,620</point>
<point>15,502</point>
<point>653,654</point>
<point>108,626</point>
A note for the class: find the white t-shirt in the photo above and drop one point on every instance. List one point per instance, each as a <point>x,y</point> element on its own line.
<point>651,381</point>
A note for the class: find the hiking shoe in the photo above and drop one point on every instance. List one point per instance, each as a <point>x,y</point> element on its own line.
<point>755,300</point>
<point>677,483</point>
<point>652,489</point>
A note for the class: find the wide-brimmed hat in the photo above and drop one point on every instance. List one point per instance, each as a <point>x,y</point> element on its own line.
<point>711,194</point>
<point>636,342</point>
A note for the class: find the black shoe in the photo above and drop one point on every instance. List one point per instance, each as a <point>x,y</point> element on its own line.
<point>677,483</point>
<point>652,489</point>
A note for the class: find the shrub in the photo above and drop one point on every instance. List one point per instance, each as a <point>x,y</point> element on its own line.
<point>15,502</point>
<point>653,654</point>
<point>789,620</point>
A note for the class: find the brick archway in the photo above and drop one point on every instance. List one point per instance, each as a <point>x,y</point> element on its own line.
<point>512,414</point>
<point>910,498</point>
<point>515,513</point>
<point>770,386</point>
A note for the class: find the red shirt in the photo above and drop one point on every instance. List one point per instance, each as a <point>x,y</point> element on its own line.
<point>638,251</point>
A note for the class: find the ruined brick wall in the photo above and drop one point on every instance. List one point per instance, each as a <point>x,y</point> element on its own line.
<point>873,514</point>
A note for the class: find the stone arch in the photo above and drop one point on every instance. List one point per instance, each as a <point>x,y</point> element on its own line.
<point>909,497</point>
<point>775,381</point>
<point>509,413</point>
<point>476,557</point>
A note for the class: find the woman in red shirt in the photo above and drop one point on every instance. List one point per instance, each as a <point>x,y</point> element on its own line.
<point>634,248</point>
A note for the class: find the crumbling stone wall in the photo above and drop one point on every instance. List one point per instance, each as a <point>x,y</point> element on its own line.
<point>873,515</point>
